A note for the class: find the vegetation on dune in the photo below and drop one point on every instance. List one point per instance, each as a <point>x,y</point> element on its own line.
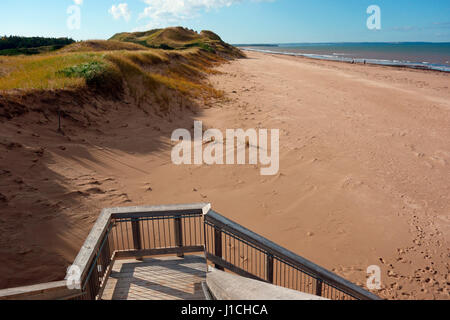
<point>170,38</point>
<point>113,66</point>
<point>75,70</point>
<point>88,70</point>
<point>102,45</point>
<point>43,72</point>
<point>178,38</point>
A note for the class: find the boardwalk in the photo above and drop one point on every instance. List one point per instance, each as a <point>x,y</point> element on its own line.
<point>163,278</point>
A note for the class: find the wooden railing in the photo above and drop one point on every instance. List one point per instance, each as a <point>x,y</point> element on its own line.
<point>136,232</point>
<point>56,290</point>
<point>230,246</point>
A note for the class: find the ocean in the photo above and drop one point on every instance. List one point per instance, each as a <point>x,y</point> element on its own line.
<point>420,55</point>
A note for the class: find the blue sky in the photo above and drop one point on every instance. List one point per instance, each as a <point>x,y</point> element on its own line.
<point>236,21</point>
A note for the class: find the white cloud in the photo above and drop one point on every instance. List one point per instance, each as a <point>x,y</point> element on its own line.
<point>120,11</point>
<point>78,2</point>
<point>163,13</point>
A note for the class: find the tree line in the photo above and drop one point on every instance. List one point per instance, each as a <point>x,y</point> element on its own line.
<point>16,42</point>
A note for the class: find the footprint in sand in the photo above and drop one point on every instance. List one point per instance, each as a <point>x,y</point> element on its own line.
<point>3,198</point>
<point>5,172</point>
<point>95,191</point>
<point>419,154</point>
<point>125,198</point>
<point>39,152</point>
<point>393,274</point>
<point>349,183</point>
<point>439,160</point>
<point>90,183</point>
<point>11,145</point>
<point>76,194</point>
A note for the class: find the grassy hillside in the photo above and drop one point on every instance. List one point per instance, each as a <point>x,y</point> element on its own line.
<point>122,66</point>
<point>177,38</point>
<point>58,70</point>
<point>102,45</point>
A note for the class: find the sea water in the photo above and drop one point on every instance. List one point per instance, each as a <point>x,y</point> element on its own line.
<point>421,55</point>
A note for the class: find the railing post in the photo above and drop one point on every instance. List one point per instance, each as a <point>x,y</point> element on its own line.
<point>269,269</point>
<point>178,235</point>
<point>319,285</point>
<point>218,246</point>
<point>136,236</point>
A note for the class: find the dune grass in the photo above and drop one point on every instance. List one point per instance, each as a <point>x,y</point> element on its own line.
<point>111,64</point>
<point>102,45</point>
<point>70,70</point>
<point>44,72</point>
<point>64,70</point>
<point>178,38</point>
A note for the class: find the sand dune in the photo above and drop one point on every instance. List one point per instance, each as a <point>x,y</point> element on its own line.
<point>364,172</point>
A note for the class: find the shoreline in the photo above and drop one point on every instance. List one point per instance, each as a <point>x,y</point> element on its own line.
<point>363,180</point>
<point>361,61</point>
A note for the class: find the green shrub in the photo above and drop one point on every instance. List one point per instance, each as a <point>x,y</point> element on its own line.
<point>98,75</point>
<point>201,45</point>
<point>88,70</point>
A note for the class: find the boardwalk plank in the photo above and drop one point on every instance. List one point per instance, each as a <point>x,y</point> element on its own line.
<point>162,278</point>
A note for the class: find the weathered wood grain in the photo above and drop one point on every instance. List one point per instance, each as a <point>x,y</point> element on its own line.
<point>162,278</point>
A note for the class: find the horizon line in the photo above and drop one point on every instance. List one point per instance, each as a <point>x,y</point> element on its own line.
<point>333,42</point>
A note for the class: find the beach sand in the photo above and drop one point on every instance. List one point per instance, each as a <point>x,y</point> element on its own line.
<point>364,172</point>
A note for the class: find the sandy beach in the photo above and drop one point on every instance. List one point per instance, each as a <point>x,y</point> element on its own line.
<point>364,172</point>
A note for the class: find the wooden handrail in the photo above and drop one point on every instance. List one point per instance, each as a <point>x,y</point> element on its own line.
<point>159,211</point>
<point>220,222</point>
<point>88,255</point>
<point>44,291</point>
<point>94,239</point>
<point>92,243</point>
